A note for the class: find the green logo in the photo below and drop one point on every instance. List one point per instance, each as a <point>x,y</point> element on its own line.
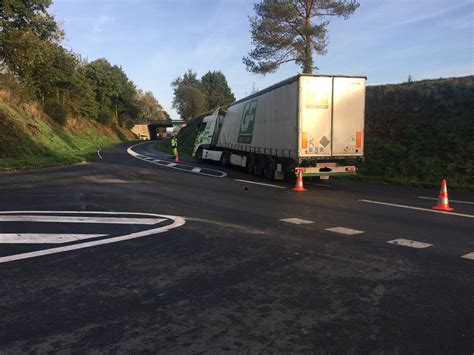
<point>247,123</point>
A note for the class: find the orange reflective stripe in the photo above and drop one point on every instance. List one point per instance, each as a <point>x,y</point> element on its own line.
<point>358,140</point>
<point>304,140</point>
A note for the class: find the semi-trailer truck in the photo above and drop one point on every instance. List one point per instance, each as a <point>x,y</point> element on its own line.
<point>311,122</point>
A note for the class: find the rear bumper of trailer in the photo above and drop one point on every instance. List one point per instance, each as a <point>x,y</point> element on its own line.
<point>325,170</point>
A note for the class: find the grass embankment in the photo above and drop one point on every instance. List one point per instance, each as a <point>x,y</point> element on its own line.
<point>416,134</point>
<point>421,132</point>
<point>30,139</point>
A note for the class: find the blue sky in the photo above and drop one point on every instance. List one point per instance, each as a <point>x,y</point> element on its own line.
<point>156,41</point>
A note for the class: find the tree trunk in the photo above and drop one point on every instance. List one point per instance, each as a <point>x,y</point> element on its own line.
<point>308,50</point>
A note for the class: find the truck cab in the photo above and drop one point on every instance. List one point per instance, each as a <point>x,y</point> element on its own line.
<point>208,133</point>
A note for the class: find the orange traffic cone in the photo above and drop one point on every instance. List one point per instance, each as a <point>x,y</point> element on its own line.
<point>176,157</point>
<point>443,203</point>
<point>299,182</point>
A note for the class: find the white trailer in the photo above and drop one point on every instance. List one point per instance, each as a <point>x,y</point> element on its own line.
<point>313,122</point>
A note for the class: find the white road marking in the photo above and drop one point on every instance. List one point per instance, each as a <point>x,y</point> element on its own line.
<point>177,222</point>
<point>170,165</point>
<point>410,243</point>
<point>346,231</point>
<point>468,256</point>
<point>98,153</point>
<point>260,183</point>
<point>317,184</point>
<point>196,170</point>
<point>165,163</point>
<point>455,201</point>
<point>35,238</point>
<point>80,219</point>
<point>417,208</point>
<point>296,221</point>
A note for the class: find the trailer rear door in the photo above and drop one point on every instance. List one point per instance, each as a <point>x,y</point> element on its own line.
<point>348,117</point>
<point>315,104</point>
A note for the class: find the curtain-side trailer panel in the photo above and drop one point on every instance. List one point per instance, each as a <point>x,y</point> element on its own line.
<point>265,123</point>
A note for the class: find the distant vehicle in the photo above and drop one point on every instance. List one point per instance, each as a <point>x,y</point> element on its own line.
<point>314,122</point>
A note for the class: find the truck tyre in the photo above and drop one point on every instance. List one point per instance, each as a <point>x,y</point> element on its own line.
<point>225,158</point>
<point>259,165</point>
<point>251,163</point>
<point>198,155</point>
<point>269,170</point>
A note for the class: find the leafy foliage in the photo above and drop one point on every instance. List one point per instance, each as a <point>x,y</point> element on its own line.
<point>30,52</point>
<point>289,31</point>
<point>193,96</point>
<point>56,111</point>
<point>214,86</point>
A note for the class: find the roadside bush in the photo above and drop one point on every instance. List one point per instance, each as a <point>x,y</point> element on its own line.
<point>56,111</point>
<point>106,117</point>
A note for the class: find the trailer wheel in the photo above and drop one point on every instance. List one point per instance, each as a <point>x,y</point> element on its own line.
<point>199,155</point>
<point>269,170</point>
<point>225,158</point>
<point>251,163</point>
<point>259,165</point>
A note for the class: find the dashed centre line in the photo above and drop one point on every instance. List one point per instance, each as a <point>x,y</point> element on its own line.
<point>343,230</point>
<point>410,243</point>
<point>296,221</point>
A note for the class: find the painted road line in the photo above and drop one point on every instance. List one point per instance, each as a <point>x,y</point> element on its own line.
<point>418,208</point>
<point>176,222</point>
<point>317,184</point>
<point>80,219</point>
<point>343,230</point>
<point>410,243</point>
<point>260,183</point>
<point>296,221</point>
<point>166,163</point>
<point>455,201</point>
<point>98,153</point>
<point>170,165</point>
<point>196,170</point>
<point>468,256</point>
<point>32,238</point>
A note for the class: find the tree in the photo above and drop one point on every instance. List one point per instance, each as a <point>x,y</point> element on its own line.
<point>218,93</point>
<point>25,26</point>
<point>188,99</point>
<point>114,91</point>
<point>289,31</point>
<point>150,108</point>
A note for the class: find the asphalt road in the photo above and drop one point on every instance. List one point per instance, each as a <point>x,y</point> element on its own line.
<point>131,253</point>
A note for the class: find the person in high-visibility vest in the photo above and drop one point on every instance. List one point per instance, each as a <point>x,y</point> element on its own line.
<point>174,146</point>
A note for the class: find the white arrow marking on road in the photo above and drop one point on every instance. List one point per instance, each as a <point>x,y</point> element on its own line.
<point>468,256</point>
<point>38,238</point>
<point>69,219</point>
<point>177,222</point>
